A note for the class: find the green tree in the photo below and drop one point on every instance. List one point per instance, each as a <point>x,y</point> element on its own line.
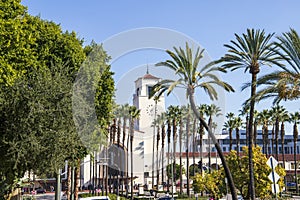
<point>250,51</point>
<point>134,114</point>
<point>229,124</point>
<point>261,172</point>
<point>212,183</point>
<point>186,65</point>
<point>171,172</point>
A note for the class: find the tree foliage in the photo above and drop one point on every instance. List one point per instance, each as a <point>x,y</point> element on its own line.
<point>261,172</point>
<point>39,63</point>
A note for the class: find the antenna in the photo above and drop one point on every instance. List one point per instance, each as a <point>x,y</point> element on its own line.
<point>147,72</point>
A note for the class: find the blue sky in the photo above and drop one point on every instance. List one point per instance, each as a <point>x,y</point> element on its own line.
<point>211,23</point>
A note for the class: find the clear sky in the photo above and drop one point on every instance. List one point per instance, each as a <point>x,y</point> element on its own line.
<point>211,23</point>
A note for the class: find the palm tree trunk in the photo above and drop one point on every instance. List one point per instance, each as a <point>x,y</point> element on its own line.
<point>131,166</point>
<point>237,132</point>
<point>169,142</point>
<point>230,139</point>
<point>273,139</point>
<point>282,143</point>
<point>187,154</point>
<point>250,132</point>
<point>209,145</point>
<point>162,153</point>
<point>295,133</point>
<point>157,157</point>
<point>276,136</point>
<point>194,159</point>
<point>180,154</point>
<point>217,145</point>
<point>68,192</point>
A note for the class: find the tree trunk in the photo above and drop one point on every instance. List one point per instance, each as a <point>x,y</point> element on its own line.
<point>180,154</point>
<point>230,139</point>
<point>276,137</point>
<point>217,145</point>
<point>131,166</point>
<point>77,179</point>
<point>187,154</point>
<point>194,159</point>
<point>68,192</point>
<point>295,133</point>
<point>250,132</point>
<point>162,153</point>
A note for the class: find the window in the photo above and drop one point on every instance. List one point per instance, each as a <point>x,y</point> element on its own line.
<point>150,88</point>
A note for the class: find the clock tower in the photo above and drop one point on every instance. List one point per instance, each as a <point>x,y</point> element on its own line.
<point>149,110</point>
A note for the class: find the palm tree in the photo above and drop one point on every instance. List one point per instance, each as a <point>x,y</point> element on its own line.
<point>157,122</point>
<point>283,84</point>
<point>174,111</point>
<point>162,121</point>
<point>250,51</point>
<point>229,124</point>
<point>295,118</point>
<point>264,118</point>
<point>277,112</point>
<point>134,114</point>
<point>212,110</point>
<point>168,115</point>
<point>185,65</point>
<point>188,119</point>
<point>238,122</point>
<point>124,113</point>
<point>283,118</point>
<point>182,110</point>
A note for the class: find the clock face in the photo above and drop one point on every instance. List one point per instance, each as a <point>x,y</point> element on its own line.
<point>150,110</point>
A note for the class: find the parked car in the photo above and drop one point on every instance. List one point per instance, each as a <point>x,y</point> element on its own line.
<point>165,198</point>
<point>40,190</point>
<point>96,198</point>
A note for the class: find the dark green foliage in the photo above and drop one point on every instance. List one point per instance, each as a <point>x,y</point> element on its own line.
<point>177,175</point>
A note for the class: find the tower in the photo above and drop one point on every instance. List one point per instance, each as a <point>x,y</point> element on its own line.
<point>149,110</point>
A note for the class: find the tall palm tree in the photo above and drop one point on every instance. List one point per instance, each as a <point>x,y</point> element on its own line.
<point>174,111</point>
<point>162,122</point>
<point>157,148</point>
<point>238,122</point>
<point>124,113</point>
<point>169,131</point>
<point>182,111</point>
<point>264,118</point>
<point>185,65</point>
<point>277,112</point>
<point>229,124</point>
<point>250,51</point>
<point>295,119</point>
<point>188,121</point>
<point>212,110</point>
<point>283,118</point>
<point>134,114</point>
